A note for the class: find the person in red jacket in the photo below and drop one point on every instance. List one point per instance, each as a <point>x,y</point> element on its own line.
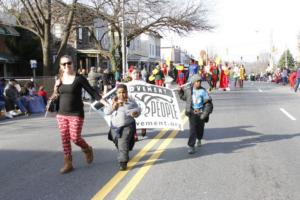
<point>292,79</point>
<point>43,93</point>
<point>180,75</point>
<point>214,75</point>
<point>224,78</point>
<point>164,69</point>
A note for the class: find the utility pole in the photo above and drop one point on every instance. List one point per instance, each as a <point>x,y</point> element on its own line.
<point>123,41</point>
<point>271,62</point>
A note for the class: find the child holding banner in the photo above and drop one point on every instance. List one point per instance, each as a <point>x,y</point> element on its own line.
<point>136,79</point>
<point>196,97</point>
<point>123,110</point>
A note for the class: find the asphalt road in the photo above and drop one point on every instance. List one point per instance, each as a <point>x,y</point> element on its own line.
<point>250,151</point>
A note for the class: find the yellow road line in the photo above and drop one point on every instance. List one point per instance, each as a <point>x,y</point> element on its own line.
<point>120,175</point>
<point>109,186</point>
<point>131,185</point>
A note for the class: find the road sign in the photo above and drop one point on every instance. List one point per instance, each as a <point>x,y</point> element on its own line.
<point>33,64</point>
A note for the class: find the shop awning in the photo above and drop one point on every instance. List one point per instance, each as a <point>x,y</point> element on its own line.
<point>8,30</point>
<point>5,58</point>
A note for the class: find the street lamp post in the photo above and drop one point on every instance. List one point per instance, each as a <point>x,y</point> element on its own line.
<point>123,40</point>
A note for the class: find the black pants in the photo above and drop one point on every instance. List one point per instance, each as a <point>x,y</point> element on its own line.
<point>123,138</point>
<point>196,128</point>
<point>123,144</point>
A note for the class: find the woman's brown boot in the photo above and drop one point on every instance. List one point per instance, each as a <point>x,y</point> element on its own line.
<point>68,167</point>
<point>88,154</point>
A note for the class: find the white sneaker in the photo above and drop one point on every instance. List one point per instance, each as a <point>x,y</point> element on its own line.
<point>191,150</point>
<point>199,143</point>
<point>13,113</point>
<point>8,115</point>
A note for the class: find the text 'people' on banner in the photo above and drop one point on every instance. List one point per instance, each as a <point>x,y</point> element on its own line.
<point>159,106</point>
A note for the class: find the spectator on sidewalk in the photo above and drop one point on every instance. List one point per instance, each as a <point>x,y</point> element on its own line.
<point>42,93</point>
<point>117,75</point>
<point>2,99</point>
<point>82,71</point>
<point>284,76</point>
<point>123,110</point>
<point>31,100</point>
<point>93,78</point>
<point>28,89</point>
<point>106,81</point>
<point>2,86</point>
<point>13,98</point>
<point>70,115</point>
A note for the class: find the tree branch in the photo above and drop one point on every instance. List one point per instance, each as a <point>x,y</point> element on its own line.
<point>33,16</point>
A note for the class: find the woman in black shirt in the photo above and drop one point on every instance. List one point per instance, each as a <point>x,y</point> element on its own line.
<point>70,115</point>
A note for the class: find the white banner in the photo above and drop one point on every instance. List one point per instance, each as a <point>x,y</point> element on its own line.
<point>159,106</point>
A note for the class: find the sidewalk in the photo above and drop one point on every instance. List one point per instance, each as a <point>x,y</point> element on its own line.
<point>34,115</point>
<point>2,116</point>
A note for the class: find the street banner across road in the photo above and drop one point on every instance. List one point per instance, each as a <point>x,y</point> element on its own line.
<point>159,106</point>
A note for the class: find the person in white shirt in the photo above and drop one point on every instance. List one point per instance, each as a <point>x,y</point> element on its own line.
<point>136,79</point>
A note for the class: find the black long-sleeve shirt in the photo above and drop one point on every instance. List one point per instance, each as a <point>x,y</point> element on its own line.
<point>70,100</point>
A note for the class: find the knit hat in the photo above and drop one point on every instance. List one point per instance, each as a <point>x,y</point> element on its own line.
<point>195,78</point>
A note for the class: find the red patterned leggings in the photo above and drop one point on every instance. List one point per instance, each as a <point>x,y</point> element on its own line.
<point>70,129</point>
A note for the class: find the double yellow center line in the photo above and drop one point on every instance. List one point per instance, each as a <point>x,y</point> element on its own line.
<point>124,194</point>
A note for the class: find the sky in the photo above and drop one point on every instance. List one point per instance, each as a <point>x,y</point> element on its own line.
<point>245,28</point>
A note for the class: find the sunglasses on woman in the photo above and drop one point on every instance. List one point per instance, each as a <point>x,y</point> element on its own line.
<point>66,63</point>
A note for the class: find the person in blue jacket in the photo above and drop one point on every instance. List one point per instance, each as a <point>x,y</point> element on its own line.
<point>193,69</point>
<point>198,107</point>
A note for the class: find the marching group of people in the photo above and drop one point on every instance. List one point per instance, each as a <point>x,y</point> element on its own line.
<point>123,110</point>
<point>71,85</point>
<point>217,75</point>
<point>287,76</point>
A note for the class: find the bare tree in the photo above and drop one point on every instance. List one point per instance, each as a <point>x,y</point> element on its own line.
<point>36,16</point>
<point>149,16</point>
